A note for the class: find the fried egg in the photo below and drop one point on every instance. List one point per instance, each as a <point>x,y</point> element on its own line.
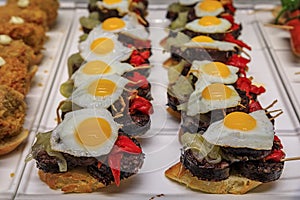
<point>209,43</point>
<point>99,92</point>
<point>208,8</point>
<point>85,132</point>
<point>213,96</point>
<point>103,46</point>
<point>213,72</point>
<point>127,25</point>
<point>209,24</point>
<point>98,68</point>
<point>120,5</point>
<point>187,2</point>
<point>242,130</point>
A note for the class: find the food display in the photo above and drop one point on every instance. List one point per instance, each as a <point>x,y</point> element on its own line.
<point>137,99</point>
<point>23,33</point>
<point>229,144</point>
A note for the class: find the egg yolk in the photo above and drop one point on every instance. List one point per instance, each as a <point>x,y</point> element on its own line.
<point>96,67</point>
<point>216,91</point>
<point>102,88</point>
<point>209,21</point>
<point>240,121</point>
<point>102,46</point>
<point>112,24</point>
<point>110,2</point>
<point>210,5</point>
<point>216,69</point>
<point>202,38</point>
<point>93,132</point>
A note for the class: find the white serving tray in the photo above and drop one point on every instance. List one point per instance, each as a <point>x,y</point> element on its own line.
<point>160,145</point>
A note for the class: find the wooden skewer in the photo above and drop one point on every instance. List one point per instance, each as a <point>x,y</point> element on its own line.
<point>290,159</point>
<point>272,111</point>
<point>285,27</point>
<point>272,104</point>
<point>276,115</point>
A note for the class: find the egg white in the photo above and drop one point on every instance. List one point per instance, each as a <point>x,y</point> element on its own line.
<point>119,53</point>
<point>79,77</point>
<point>199,105</point>
<point>261,137</point>
<point>122,7</point>
<point>205,79</point>
<point>132,27</point>
<point>201,13</point>
<point>64,140</point>
<point>220,45</point>
<point>84,99</point>
<point>220,28</point>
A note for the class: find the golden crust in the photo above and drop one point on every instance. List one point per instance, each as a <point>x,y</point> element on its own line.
<point>9,144</point>
<point>16,75</point>
<point>74,181</point>
<point>175,114</point>
<point>32,15</point>
<point>232,185</point>
<point>50,7</point>
<point>32,34</point>
<point>12,112</point>
<point>18,49</point>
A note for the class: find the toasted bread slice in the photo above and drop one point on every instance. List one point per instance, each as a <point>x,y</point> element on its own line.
<point>232,185</point>
<point>9,144</point>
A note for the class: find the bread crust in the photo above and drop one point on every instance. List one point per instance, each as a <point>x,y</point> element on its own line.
<point>74,181</point>
<point>7,145</point>
<point>232,185</point>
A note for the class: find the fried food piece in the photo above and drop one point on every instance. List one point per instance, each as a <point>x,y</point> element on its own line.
<point>12,116</point>
<point>32,15</point>
<point>50,7</point>
<point>18,49</point>
<point>12,112</point>
<point>31,34</point>
<point>15,74</point>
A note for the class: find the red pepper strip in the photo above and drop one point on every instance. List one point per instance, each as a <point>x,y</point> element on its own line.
<point>114,162</point>
<point>276,155</point>
<point>99,165</point>
<point>230,7</point>
<point>295,32</point>
<point>138,58</point>
<point>235,27</point>
<point>138,81</point>
<point>254,106</point>
<point>245,84</point>
<point>140,104</point>
<point>228,17</point>
<point>125,144</point>
<point>277,140</point>
<point>257,90</point>
<point>240,62</point>
<point>230,38</point>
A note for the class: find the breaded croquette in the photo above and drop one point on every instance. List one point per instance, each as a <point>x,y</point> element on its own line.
<point>15,74</point>
<point>50,7</point>
<point>12,112</point>
<point>32,34</point>
<point>12,117</point>
<point>32,15</point>
<point>18,49</point>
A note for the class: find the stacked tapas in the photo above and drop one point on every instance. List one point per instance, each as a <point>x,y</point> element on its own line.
<point>229,144</point>
<point>107,104</point>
